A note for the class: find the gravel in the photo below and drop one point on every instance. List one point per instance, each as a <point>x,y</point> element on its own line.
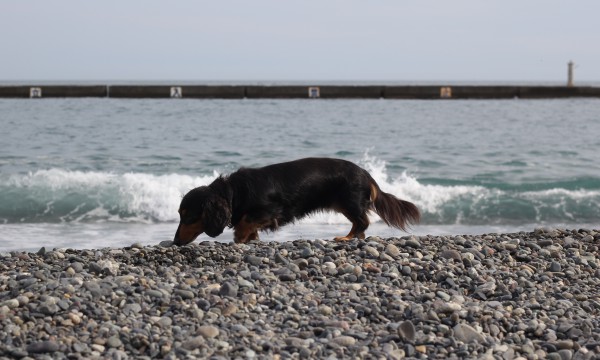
<point>527,295</point>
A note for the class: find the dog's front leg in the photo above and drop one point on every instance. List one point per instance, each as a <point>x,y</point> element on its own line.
<point>245,231</point>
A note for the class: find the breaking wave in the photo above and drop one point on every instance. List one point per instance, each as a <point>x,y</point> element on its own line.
<point>61,196</point>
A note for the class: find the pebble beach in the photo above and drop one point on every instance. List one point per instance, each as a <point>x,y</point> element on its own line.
<point>526,295</point>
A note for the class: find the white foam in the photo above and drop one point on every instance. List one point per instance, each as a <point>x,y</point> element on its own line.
<point>159,195</point>
<point>143,196</point>
<point>579,194</point>
<point>428,198</point>
<point>147,197</point>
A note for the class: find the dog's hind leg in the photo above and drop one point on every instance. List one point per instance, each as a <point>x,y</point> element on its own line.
<point>359,225</point>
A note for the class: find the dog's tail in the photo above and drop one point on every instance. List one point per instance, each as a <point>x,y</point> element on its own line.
<point>393,211</point>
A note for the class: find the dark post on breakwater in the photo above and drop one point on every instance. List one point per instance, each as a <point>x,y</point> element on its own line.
<point>300,91</point>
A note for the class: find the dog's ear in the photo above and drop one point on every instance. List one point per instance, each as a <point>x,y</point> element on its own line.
<point>216,216</point>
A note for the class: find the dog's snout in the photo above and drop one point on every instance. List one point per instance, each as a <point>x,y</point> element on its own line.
<point>185,234</point>
<point>176,239</point>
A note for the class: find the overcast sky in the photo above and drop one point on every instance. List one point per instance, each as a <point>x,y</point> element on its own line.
<point>279,40</point>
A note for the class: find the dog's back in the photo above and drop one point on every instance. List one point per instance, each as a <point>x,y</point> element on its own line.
<point>292,190</point>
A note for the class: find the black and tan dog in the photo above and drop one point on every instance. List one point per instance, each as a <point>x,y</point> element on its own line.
<point>251,200</point>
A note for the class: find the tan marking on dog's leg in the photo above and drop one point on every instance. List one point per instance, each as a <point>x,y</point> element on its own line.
<point>253,236</point>
<point>342,238</point>
<point>353,233</point>
<point>244,232</point>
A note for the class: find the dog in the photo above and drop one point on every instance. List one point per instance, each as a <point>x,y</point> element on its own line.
<point>263,199</point>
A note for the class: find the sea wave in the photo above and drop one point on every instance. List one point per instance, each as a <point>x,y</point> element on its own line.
<point>58,195</point>
<point>64,196</point>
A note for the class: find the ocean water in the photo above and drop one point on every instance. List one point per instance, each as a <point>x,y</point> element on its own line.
<point>91,173</point>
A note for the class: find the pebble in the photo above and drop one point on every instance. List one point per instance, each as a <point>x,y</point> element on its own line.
<point>154,293</point>
<point>185,294</point>
<point>114,341</point>
<point>194,343</point>
<point>451,254</point>
<point>253,260</point>
<point>307,252</point>
<point>448,307</point>
<point>325,310</point>
<point>42,347</point>
<point>345,340</point>
<point>555,266</point>
<point>525,295</point>
<point>208,331</point>
<point>166,243</point>
<point>413,243</point>
<point>11,303</point>
<point>392,250</point>
<point>407,331</point>
<point>371,251</point>
<point>295,342</point>
<point>565,354</point>
<point>467,334</point>
<point>228,289</point>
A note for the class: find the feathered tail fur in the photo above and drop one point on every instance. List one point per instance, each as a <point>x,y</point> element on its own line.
<point>393,211</point>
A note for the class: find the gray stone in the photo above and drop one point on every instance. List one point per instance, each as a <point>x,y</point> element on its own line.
<point>228,289</point>
<point>41,347</point>
<point>48,308</point>
<point>253,260</point>
<point>154,293</point>
<point>451,255</point>
<point>392,250</point>
<point>565,354</point>
<point>287,277</point>
<point>114,342</point>
<point>371,251</point>
<point>11,303</point>
<point>295,342</point>
<point>413,243</point>
<point>467,334</point>
<point>345,340</point>
<point>185,294</point>
<point>194,343</point>
<point>208,331</point>
<point>307,252</point>
<point>133,308</point>
<point>77,266</point>
<point>407,331</point>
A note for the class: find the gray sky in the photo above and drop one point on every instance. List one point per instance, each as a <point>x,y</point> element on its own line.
<point>278,40</point>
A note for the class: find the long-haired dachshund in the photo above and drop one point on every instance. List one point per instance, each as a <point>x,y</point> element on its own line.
<point>252,200</point>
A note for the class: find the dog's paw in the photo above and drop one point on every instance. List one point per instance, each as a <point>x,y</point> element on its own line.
<point>342,238</point>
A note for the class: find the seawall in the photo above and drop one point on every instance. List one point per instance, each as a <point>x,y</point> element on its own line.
<point>298,91</point>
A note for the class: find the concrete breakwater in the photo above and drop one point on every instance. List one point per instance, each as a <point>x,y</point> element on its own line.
<point>299,91</point>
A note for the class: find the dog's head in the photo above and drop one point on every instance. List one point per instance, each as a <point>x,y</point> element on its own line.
<point>201,210</point>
